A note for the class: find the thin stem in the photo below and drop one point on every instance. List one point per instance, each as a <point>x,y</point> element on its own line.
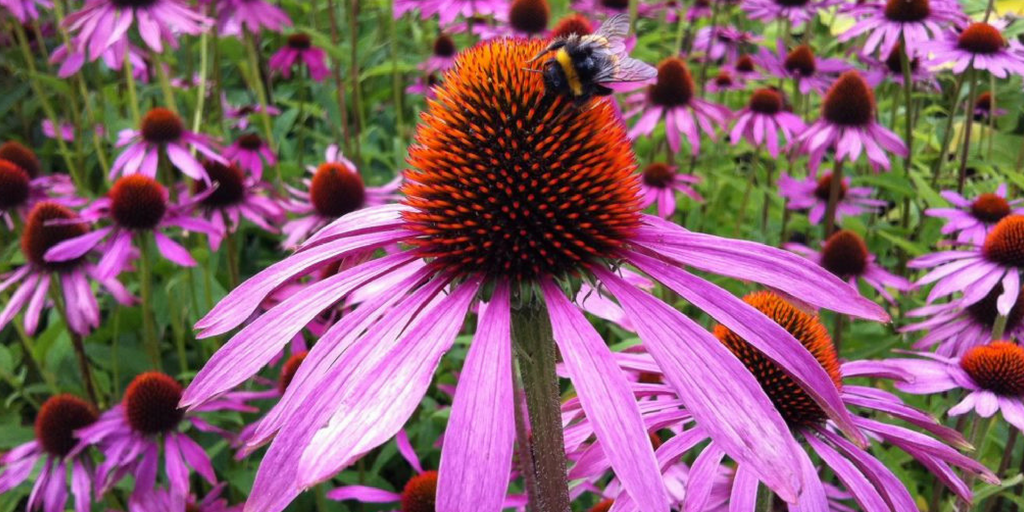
<point>947,135</point>
<point>765,499</point>
<point>839,323</point>
<point>357,110</point>
<point>261,95</point>
<point>76,342</point>
<point>232,249</point>
<point>908,94</point>
<point>835,185</point>
<point>133,97</point>
<point>711,38</point>
<point>523,447</point>
<point>396,76</point>
<point>38,90</point>
<point>338,84</point>
<point>165,82</point>
<point>146,290</point>
<point>999,327</point>
<point>968,110</point>
<point>769,169</point>
<point>204,45</point>
<point>1004,464</point>
<point>535,350</point>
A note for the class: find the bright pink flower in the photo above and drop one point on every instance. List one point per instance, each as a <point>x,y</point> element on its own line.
<point>300,50</point>
<point>813,193</point>
<point>162,131</point>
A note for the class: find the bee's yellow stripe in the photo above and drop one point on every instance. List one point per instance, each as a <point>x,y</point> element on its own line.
<point>565,61</point>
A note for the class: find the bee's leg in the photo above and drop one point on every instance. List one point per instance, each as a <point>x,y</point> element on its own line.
<point>600,90</point>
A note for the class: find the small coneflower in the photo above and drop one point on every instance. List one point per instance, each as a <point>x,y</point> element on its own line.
<point>983,107</point>
<point>979,46</point>
<point>335,189</point>
<point>299,49</point>
<point>848,126</point>
<point>135,205</point>
<point>49,224</point>
<point>725,81</point>
<point>241,116</point>
<point>911,24</point>
<point>613,7</point>
<point>812,194</point>
<point>71,59</point>
<point>17,154</point>
<point>235,197</point>
<point>529,17</point>
<point>147,425</point>
<point>979,269</point>
<point>447,11</point>
<point>846,256</point>
<point>235,16</point>
<point>162,131</point>
<point>164,500</point>
<point>795,11</point>
<point>760,122</point>
<point>673,98</point>
<point>953,328</point>
<point>55,441</point>
<point>810,72</point>
<point>497,205</point>
<point>890,69</point>
<point>250,152</point>
<point>660,184</point>
<point>700,9</point>
<point>442,56</point>
<point>992,376</point>
<point>745,68</point>
<point>971,220</point>
<point>100,24</point>
<point>723,42</point>
<point>25,10</point>
<point>572,24</point>
<point>424,85</point>
<point>20,189</point>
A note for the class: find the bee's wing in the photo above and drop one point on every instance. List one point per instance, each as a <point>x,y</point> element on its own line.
<point>627,69</point>
<point>614,29</point>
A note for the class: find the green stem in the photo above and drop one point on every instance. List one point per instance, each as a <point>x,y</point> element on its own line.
<point>152,343</point>
<point>197,117</point>
<point>765,499</point>
<point>535,351</point>
<point>835,185</point>
<point>353,28</point>
<point>256,82</point>
<point>133,97</point>
<point>232,249</point>
<point>76,341</point>
<point>999,327</point>
<point>969,111</point>
<point>165,82</point>
<point>339,86</point>
<point>396,77</point>
<point>947,135</point>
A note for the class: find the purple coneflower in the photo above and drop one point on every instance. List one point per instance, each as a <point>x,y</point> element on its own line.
<point>235,197</point>
<point>250,153</point>
<point>162,130</point>
<point>848,126</point>
<point>983,107</point>
<point>163,500</point>
<point>299,49</point>
<point>613,7</point>
<point>71,59</point>
<point>726,43</point>
<point>448,11</point>
<point>760,122</point>
<point>22,186</point>
<point>725,81</point>
<point>570,24</point>
<point>424,85</point>
<point>48,225</point>
<point>980,46</point>
<point>846,256</point>
<point>673,98</point>
<point>745,68</point>
<point>56,424</point>
<point>954,328</point>
<point>99,24</point>
<point>529,17</point>
<point>335,189</point>
<point>147,424</point>
<point>992,376</point>
<point>25,10</point>
<point>911,24</point>
<point>979,269</point>
<point>972,220</point>
<point>659,185</point>
<point>443,55</point>
<point>500,208</point>
<point>240,116</point>
<point>891,69</point>
<point>811,73</point>
<point>795,11</point>
<point>812,194</point>
<point>234,16</point>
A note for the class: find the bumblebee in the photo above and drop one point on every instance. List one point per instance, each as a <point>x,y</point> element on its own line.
<point>583,66</point>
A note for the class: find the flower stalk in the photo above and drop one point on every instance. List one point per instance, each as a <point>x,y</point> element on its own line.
<point>535,351</point>
<point>968,111</point>
<point>146,290</point>
<point>76,343</point>
<point>947,134</point>
<point>835,185</point>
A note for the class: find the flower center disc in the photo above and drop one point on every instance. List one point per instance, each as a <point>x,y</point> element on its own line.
<point>723,79</point>
<point>659,175</point>
<point>444,46</point>
<point>845,254</point>
<point>849,102</point>
<point>997,367</point>
<point>529,16</point>
<point>792,3</point>
<point>138,202</point>
<point>151,403</point>
<point>288,370</point>
<point>420,493</point>
<point>674,86</point>
<point>39,236</point>
<point>985,311</point>
<point>250,141</point>
<point>981,38</point>
<point>161,126</point>
<point>1005,243</point>
<point>618,5</point>
<point>766,101</point>
<point>58,419</point>
<point>990,208</point>
<point>792,402</point>
<point>133,4</point>
<point>745,64</point>
<point>14,185</point>
<point>336,190</point>
<point>800,61</point>
<point>984,102</point>
<point>508,180</point>
<point>824,188</point>
<point>300,41</point>
<point>895,59</point>
<point>230,183</point>
<point>907,10</point>
<point>572,24</point>
<point>19,155</point>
